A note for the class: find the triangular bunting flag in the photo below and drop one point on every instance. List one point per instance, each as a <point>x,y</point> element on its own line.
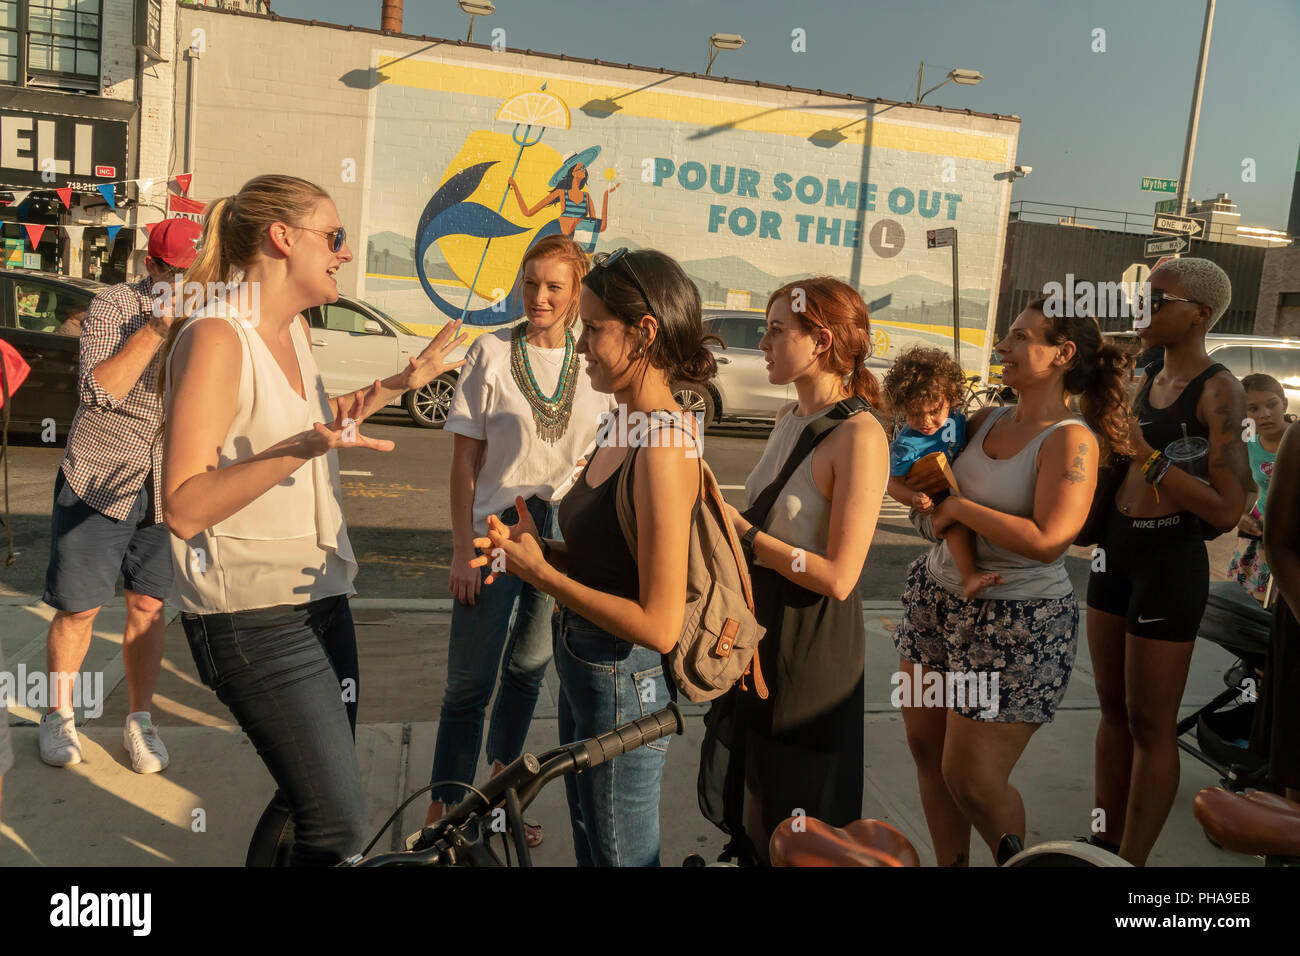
<point>108,190</point>
<point>112,230</point>
<point>183,180</point>
<point>74,234</point>
<point>65,194</point>
<point>19,196</point>
<point>34,232</point>
<point>148,228</point>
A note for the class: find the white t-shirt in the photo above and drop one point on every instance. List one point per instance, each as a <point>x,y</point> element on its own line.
<point>489,406</point>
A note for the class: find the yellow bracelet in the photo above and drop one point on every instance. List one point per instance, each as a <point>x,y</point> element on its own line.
<point>1146,468</point>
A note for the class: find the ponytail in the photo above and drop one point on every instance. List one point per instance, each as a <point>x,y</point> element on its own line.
<point>233,230</point>
<point>1097,375</point>
<point>210,265</point>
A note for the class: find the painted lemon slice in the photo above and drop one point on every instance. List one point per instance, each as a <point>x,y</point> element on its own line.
<point>535,108</point>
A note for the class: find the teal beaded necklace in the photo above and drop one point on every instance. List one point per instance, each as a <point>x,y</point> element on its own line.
<point>550,413</point>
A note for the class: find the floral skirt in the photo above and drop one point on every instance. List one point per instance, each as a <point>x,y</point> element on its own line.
<point>1004,661</point>
<point>1248,567</point>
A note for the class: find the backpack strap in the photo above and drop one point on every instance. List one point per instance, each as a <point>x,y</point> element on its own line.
<point>623,498</point>
<point>809,438</point>
<point>708,491</point>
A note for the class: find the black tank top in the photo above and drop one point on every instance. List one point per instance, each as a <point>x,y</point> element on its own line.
<point>598,555</point>
<point>1161,427</point>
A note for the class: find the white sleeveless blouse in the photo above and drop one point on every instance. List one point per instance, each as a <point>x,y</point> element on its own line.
<point>290,545</point>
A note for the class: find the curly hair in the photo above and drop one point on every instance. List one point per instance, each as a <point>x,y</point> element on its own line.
<point>925,375</point>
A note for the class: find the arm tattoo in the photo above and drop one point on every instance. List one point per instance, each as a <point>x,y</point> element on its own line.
<point>1075,473</point>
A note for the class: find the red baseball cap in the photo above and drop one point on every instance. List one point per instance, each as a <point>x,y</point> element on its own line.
<point>172,241</point>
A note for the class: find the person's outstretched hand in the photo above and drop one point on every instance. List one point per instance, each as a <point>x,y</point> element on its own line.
<point>432,362</point>
<point>511,549</point>
<point>345,430</point>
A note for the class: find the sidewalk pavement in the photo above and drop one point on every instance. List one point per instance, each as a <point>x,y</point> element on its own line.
<point>202,809</point>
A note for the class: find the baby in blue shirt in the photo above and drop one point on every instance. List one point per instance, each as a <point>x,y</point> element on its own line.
<point>929,387</point>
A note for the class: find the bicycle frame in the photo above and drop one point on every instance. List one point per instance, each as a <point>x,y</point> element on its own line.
<point>461,837</point>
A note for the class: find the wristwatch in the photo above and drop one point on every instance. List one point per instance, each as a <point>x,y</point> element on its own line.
<point>747,541</point>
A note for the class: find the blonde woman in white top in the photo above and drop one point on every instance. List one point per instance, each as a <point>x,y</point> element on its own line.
<point>263,565</point>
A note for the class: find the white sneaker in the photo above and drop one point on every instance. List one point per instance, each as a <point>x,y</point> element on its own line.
<point>60,746</point>
<point>141,740</point>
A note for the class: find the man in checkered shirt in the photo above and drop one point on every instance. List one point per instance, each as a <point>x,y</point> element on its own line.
<point>107,514</point>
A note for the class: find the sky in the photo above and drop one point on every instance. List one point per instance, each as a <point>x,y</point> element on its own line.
<point>1094,121</point>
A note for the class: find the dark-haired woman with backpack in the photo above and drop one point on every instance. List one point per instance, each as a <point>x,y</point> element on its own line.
<point>807,540</point>
<point>621,612</point>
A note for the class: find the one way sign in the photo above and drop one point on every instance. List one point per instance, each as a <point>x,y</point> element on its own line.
<point>1157,246</point>
<point>1179,226</point>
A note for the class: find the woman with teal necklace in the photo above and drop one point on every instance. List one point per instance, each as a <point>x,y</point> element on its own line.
<point>522,416</point>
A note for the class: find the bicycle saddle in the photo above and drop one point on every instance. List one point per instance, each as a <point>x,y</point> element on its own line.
<point>1257,823</point>
<point>861,843</point>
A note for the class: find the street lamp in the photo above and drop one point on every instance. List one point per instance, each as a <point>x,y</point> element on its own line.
<point>964,77</point>
<point>719,42</point>
<point>475,8</point>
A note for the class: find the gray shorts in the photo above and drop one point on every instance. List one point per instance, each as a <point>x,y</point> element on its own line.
<point>1012,658</point>
<point>88,550</point>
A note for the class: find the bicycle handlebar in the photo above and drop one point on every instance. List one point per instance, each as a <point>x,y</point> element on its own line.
<point>529,774</point>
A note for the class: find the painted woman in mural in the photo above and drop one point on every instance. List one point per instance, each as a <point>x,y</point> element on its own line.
<point>569,185</point>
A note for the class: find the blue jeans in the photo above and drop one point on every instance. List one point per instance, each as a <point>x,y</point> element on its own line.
<point>605,682</point>
<point>508,630</point>
<point>284,673</point>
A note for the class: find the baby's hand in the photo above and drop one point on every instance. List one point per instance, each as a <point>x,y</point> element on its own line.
<point>922,503</point>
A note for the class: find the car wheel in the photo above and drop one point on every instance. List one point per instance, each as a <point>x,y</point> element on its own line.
<point>429,404</point>
<point>695,399</point>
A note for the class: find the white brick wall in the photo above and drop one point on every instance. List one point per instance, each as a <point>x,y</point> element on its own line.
<point>121,79</point>
<point>291,98</point>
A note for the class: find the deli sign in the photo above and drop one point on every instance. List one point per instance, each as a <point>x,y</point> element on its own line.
<point>51,151</point>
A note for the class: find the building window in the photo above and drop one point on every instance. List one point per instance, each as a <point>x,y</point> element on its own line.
<point>51,43</point>
<point>9,41</point>
<point>63,43</point>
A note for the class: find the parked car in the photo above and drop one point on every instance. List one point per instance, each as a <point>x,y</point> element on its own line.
<point>1248,354</point>
<point>352,341</point>
<point>40,316</point>
<point>741,391</point>
<point>355,343</point>
<point>1242,354</point>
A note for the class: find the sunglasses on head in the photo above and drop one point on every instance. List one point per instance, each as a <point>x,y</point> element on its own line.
<point>604,260</point>
<point>336,237</point>
<point>1159,297</point>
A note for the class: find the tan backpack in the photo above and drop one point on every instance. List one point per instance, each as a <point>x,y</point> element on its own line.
<point>718,645</point>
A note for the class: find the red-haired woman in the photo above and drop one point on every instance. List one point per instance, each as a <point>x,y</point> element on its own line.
<point>803,746</point>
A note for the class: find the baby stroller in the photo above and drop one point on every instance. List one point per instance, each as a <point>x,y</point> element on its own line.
<point>1236,622</point>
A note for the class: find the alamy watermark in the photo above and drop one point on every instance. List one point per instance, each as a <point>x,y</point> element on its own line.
<point>658,429</point>
<point>953,689</point>
<point>35,690</point>
<point>240,300</point>
<point>1102,300</point>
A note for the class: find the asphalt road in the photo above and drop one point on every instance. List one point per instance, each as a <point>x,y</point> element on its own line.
<point>397,508</point>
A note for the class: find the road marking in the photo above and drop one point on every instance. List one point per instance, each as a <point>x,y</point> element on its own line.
<point>359,474</point>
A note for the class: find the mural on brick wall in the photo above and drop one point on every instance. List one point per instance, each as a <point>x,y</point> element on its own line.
<point>470,165</point>
<point>483,248</point>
